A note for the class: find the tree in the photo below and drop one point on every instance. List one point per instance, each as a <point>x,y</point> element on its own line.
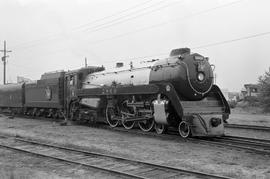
<point>264,96</point>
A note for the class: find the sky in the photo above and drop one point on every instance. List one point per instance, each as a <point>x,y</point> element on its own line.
<point>50,35</point>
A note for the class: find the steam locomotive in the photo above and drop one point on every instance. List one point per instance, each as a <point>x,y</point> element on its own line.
<point>175,92</point>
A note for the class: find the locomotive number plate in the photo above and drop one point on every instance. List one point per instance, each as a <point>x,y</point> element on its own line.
<point>201,66</point>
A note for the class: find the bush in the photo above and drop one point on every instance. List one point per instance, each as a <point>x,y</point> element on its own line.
<point>232,104</point>
<point>252,100</point>
<point>264,96</point>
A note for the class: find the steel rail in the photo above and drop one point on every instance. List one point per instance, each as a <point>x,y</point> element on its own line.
<point>245,146</point>
<point>259,147</point>
<point>206,141</point>
<point>248,138</point>
<point>253,127</point>
<point>151,167</point>
<point>72,162</point>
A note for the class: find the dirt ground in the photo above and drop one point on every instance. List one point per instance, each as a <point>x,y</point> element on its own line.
<point>176,153</point>
<point>15,165</point>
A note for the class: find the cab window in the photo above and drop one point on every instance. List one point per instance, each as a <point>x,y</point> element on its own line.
<point>71,81</point>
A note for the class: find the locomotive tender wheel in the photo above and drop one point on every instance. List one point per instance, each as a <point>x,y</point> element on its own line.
<point>184,129</point>
<point>147,125</point>
<point>38,113</point>
<point>55,115</point>
<point>160,128</point>
<point>111,113</point>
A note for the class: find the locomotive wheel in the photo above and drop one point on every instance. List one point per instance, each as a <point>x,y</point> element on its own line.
<point>184,129</point>
<point>147,125</point>
<point>129,124</point>
<point>160,128</point>
<point>111,113</point>
<point>34,112</point>
<point>55,115</point>
<point>124,108</point>
<point>38,113</point>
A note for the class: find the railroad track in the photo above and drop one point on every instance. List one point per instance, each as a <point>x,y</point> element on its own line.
<point>260,146</point>
<point>241,126</point>
<point>115,165</point>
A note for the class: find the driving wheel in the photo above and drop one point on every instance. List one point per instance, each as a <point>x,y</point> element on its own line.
<point>111,116</point>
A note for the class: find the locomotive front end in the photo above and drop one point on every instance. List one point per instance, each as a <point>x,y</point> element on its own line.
<point>190,74</point>
<point>200,106</point>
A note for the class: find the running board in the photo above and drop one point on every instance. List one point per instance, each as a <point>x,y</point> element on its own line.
<point>202,107</point>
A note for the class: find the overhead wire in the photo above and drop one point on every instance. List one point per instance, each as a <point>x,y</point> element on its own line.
<point>86,24</point>
<point>126,18</point>
<point>163,23</point>
<point>192,15</point>
<point>232,40</point>
<point>211,44</point>
<point>112,15</point>
<point>195,47</point>
<point>167,22</point>
<point>64,36</point>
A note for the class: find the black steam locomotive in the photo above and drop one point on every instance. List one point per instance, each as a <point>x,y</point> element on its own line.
<point>177,91</point>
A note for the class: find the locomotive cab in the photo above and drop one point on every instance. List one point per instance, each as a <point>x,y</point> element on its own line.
<point>73,82</point>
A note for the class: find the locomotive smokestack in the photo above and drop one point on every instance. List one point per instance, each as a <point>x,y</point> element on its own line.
<point>119,64</point>
<point>180,52</point>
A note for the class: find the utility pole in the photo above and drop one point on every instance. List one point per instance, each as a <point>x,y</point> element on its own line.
<point>4,60</point>
<point>85,62</point>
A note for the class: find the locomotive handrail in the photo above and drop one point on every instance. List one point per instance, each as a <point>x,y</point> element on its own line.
<point>133,69</point>
<point>112,72</point>
<point>188,78</point>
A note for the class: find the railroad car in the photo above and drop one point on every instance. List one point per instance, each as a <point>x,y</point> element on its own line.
<point>12,98</point>
<point>175,92</point>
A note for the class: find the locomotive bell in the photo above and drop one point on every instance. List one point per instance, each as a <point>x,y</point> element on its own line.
<point>119,64</point>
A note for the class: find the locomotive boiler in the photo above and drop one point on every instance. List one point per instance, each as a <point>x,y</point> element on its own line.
<point>162,93</point>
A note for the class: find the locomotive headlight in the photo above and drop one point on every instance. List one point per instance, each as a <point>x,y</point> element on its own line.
<point>200,76</point>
